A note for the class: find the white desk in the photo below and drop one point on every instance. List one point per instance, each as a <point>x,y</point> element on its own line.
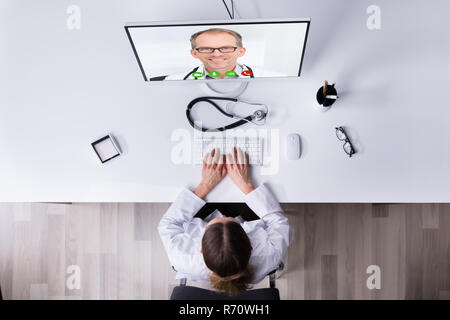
<point>61,90</point>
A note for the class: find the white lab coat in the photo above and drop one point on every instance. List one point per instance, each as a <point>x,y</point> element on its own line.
<point>181,234</point>
<point>257,73</point>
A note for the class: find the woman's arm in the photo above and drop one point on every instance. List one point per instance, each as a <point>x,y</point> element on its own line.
<point>265,205</point>
<point>182,210</point>
<point>279,233</point>
<point>186,205</point>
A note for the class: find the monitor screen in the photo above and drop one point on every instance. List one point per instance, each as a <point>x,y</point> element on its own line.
<point>235,49</point>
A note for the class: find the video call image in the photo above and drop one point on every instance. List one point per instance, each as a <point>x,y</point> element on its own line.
<point>226,51</point>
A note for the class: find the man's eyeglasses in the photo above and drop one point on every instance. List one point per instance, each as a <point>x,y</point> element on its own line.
<point>342,136</point>
<point>211,50</point>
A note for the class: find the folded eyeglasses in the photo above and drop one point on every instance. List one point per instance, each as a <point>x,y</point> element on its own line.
<point>342,136</point>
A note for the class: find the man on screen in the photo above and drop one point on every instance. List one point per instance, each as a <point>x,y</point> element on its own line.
<point>218,50</point>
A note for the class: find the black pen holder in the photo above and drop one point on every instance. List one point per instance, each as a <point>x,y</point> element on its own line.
<point>321,97</point>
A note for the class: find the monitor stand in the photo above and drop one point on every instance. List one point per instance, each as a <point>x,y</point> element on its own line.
<point>224,89</point>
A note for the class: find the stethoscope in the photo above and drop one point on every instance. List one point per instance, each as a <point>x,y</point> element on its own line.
<point>196,68</point>
<point>258,117</point>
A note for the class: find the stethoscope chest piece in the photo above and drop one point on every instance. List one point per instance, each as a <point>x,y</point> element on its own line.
<point>240,110</point>
<point>259,117</point>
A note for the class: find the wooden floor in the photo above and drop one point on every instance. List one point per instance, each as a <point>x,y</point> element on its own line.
<point>120,255</point>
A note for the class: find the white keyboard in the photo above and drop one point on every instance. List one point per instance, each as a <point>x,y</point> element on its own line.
<point>253,146</point>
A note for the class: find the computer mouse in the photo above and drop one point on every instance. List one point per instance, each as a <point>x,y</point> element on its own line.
<point>293,146</point>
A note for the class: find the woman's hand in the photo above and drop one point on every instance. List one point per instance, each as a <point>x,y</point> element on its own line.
<point>213,172</point>
<point>237,169</point>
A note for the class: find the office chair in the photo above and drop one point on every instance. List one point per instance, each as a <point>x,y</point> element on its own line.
<point>184,292</point>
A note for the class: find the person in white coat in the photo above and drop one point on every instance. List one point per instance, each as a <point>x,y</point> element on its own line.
<point>229,252</point>
<point>219,49</point>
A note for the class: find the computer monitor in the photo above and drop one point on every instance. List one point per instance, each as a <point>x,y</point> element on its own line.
<point>228,50</point>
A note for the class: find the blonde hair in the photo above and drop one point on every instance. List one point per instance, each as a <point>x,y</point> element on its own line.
<point>231,285</point>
